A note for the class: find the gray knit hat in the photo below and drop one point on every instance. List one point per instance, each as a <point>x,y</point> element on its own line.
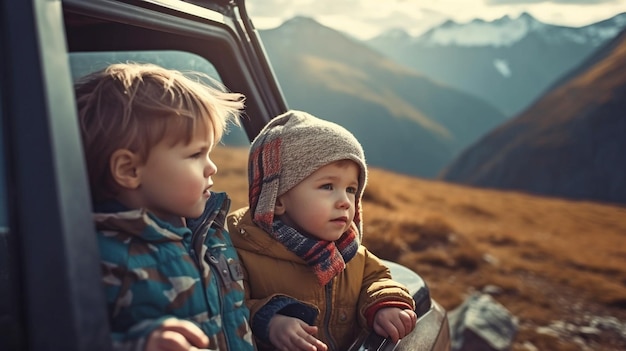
<point>290,148</point>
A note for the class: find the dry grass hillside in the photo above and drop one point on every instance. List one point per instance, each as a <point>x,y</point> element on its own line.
<point>559,266</point>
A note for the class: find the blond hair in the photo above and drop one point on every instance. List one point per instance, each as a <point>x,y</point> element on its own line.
<point>136,106</point>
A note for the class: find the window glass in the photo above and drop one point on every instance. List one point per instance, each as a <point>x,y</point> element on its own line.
<point>87,62</point>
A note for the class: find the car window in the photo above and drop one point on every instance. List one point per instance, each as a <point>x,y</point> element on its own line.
<point>83,63</point>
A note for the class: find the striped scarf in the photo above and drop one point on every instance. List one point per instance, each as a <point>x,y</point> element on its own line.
<point>326,258</point>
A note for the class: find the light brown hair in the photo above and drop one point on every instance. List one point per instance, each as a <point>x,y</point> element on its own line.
<point>136,106</point>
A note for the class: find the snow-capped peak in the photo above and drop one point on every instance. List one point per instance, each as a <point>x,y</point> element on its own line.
<point>501,32</point>
<point>604,30</point>
<point>395,34</point>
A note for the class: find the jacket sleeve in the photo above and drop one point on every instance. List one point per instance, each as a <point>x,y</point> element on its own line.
<point>127,334</point>
<point>283,305</point>
<point>263,310</point>
<point>379,290</point>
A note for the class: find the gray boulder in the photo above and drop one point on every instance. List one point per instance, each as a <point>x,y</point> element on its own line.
<point>480,323</point>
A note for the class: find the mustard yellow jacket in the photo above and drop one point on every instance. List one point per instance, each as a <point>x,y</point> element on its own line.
<point>271,270</point>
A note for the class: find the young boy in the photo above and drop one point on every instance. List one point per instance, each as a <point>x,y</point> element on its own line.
<point>310,284</point>
<point>171,275</point>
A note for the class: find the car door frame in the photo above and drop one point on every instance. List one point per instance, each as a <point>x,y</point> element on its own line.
<point>56,274</point>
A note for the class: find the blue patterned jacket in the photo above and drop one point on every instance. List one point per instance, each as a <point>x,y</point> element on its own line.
<point>153,271</point>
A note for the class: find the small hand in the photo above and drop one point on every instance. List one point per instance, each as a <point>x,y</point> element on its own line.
<point>288,333</point>
<point>176,335</point>
<point>394,323</point>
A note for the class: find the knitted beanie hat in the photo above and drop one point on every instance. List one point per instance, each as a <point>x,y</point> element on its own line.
<point>290,148</point>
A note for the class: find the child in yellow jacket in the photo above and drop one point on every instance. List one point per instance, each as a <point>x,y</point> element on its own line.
<point>310,284</point>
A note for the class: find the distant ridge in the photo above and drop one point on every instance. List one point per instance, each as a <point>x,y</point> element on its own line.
<point>508,62</point>
<point>406,122</point>
<point>571,143</point>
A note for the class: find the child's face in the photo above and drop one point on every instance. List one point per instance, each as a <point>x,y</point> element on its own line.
<point>175,180</point>
<point>323,204</point>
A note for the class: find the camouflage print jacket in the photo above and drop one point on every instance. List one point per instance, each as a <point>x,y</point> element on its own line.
<point>153,271</point>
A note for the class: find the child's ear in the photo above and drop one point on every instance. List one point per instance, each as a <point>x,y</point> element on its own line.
<point>124,168</point>
<point>279,207</point>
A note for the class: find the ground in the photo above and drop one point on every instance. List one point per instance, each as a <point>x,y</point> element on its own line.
<point>559,266</point>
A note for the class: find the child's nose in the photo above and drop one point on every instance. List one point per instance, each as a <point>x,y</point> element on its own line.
<point>344,201</point>
<point>210,168</point>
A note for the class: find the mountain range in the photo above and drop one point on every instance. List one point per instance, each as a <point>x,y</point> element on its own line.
<point>388,107</point>
<point>508,62</point>
<point>570,143</point>
<point>567,143</point>
<point>406,122</point>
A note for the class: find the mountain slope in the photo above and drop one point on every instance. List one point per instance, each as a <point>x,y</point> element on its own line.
<point>569,144</point>
<point>507,62</point>
<point>406,122</point>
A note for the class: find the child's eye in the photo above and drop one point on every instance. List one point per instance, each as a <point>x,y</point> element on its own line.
<point>196,155</point>
<point>327,186</point>
<point>351,190</point>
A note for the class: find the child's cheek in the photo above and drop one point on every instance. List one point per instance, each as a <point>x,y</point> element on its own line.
<point>195,187</point>
<point>189,190</point>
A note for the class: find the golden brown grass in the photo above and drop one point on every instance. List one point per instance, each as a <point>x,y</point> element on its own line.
<point>553,259</point>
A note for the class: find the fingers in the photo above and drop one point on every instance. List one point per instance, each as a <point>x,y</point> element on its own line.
<point>192,333</point>
<point>316,344</point>
<point>304,342</point>
<point>167,341</point>
<point>311,330</point>
<point>394,323</point>
<point>288,333</point>
<point>408,318</point>
<point>307,342</point>
<point>387,329</point>
<point>176,335</point>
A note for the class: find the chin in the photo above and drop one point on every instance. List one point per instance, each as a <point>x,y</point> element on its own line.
<point>335,237</point>
<point>196,213</point>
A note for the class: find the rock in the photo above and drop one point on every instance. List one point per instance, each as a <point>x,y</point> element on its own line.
<point>492,290</point>
<point>480,323</point>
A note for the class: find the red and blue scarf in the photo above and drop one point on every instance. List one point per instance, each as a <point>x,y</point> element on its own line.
<point>326,258</point>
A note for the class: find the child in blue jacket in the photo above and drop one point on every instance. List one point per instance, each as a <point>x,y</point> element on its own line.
<point>171,275</point>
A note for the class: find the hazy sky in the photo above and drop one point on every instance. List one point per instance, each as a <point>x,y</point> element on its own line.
<point>366,18</point>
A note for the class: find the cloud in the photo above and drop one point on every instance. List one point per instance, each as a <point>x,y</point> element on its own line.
<point>281,8</point>
<point>367,18</point>
<point>361,18</point>
<point>569,2</point>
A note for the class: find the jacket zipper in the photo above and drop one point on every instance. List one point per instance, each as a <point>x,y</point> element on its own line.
<point>213,262</point>
<point>328,291</point>
<point>198,233</point>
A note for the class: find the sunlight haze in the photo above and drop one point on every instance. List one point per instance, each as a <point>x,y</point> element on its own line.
<point>365,19</point>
